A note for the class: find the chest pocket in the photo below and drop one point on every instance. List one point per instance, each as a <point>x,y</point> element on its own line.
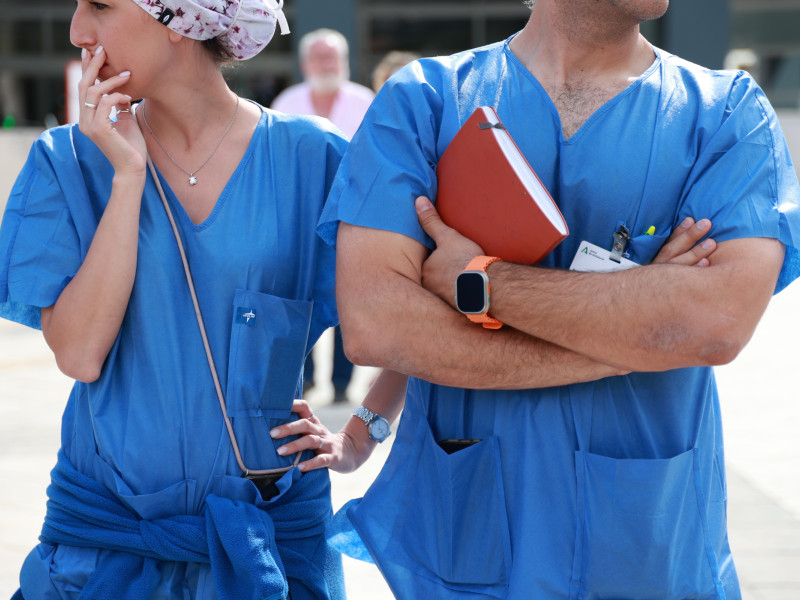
<point>268,344</point>
<point>643,248</point>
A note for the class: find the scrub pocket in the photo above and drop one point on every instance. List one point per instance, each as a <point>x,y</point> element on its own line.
<point>267,351</point>
<point>453,527</point>
<point>643,248</point>
<point>641,535</point>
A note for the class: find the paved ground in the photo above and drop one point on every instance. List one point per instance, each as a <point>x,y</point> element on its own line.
<point>761,414</point>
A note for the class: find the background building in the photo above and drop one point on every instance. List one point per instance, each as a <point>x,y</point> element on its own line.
<point>34,43</point>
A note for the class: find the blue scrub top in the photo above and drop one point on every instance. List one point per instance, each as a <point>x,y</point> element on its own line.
<point>150,428</point>
<point>609,489</point>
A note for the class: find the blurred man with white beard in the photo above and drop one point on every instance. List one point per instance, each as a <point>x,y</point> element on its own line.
<point>326,90</point>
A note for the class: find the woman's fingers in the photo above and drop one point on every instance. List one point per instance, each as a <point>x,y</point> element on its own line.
<point>103,88</point>
<point>100,99</point>
<point>315,443</point>
<point>91,65</point>
<point>320,461</point>
<point>302,409</point>
<point>682,239</point>
<point>105,114</point>
<point>94,93</point>
<point>298,427</point>
<point>313,435</point>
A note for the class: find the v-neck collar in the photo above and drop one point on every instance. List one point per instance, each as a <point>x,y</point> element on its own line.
<point>208,221</point>
<point>512,58</point>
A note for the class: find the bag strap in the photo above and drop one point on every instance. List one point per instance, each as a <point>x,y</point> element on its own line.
<point>247,472</point>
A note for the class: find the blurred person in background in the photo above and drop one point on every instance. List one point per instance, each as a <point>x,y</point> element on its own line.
<point>389,65</point>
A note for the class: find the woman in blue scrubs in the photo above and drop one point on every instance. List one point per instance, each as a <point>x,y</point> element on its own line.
<point>148,498</point>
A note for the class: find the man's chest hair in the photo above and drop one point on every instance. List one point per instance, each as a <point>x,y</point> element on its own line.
<point>577,100</point>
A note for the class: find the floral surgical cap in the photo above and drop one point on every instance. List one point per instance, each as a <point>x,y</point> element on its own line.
<point>244,27</point>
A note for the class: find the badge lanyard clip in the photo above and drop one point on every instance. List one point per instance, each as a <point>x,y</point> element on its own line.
<point>621,237</point>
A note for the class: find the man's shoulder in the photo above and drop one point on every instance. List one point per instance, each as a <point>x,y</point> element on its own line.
<point>704,80</point>
<point>447,71</point>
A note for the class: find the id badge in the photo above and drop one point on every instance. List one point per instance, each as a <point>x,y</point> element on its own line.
<point>594,259</point>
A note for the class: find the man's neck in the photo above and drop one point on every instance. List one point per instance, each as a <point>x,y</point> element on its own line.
<point>565,42</point>
<point>583,53</point>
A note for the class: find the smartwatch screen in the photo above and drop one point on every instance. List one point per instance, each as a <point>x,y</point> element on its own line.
<point>471,293</point>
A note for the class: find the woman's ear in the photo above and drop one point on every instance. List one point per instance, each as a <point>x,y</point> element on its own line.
<point>173,36</point>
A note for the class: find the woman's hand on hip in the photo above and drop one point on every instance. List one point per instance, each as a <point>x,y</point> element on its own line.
<point>342,452</point>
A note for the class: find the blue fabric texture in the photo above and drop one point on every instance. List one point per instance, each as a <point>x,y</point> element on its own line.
<point>608,489</point>
<point>236,538</point>
<point>265,284</point>
<point>342,534</point>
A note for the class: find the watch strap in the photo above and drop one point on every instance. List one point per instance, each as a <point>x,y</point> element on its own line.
<point>365,414</point>
<point>481,263</point>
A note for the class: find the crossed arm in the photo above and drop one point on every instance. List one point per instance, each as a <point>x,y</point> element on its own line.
<point>390,320</point>
<point>652,318</point>
<point>563,327</point>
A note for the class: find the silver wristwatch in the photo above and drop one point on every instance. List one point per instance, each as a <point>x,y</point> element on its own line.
<point>377,426</point>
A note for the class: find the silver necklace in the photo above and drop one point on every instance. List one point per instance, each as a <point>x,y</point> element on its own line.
<point>192,178</point>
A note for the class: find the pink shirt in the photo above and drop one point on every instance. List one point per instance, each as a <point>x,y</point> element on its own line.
<point>348,109</point>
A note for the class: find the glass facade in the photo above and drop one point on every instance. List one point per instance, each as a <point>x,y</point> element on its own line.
<point>770,31</point>
<point>432,27</point>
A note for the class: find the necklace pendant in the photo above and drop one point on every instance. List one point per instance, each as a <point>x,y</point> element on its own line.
<point>192,180</point>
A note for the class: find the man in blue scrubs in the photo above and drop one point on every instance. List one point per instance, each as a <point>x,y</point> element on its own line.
<point>600,468</point>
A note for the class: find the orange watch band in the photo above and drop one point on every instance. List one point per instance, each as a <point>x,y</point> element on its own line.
<point>481,263</point>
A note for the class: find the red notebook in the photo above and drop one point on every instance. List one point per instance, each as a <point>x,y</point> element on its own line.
<point>490,194</point>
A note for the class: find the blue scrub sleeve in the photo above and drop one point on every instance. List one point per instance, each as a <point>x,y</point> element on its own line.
<point>391,159</point>
<point>40,249</point>
<point>744,180</point>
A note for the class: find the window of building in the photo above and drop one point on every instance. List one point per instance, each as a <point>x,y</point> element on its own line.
<point>27,37</point>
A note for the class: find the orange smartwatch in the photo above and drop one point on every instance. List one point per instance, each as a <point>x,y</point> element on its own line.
<point>473,292</point>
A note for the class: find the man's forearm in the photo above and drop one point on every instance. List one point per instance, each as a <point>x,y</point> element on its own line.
<point>661,316</point>
<point>389,320</point>
<point>442,349</point>
<point>645,319</point>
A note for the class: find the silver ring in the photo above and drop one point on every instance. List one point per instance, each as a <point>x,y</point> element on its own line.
<point>311,416</point>
<point>319,437</point>
<point>89,105</point>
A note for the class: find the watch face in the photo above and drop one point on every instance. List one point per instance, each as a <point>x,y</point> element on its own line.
<point>379,429</point>
<point>471,293</point>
